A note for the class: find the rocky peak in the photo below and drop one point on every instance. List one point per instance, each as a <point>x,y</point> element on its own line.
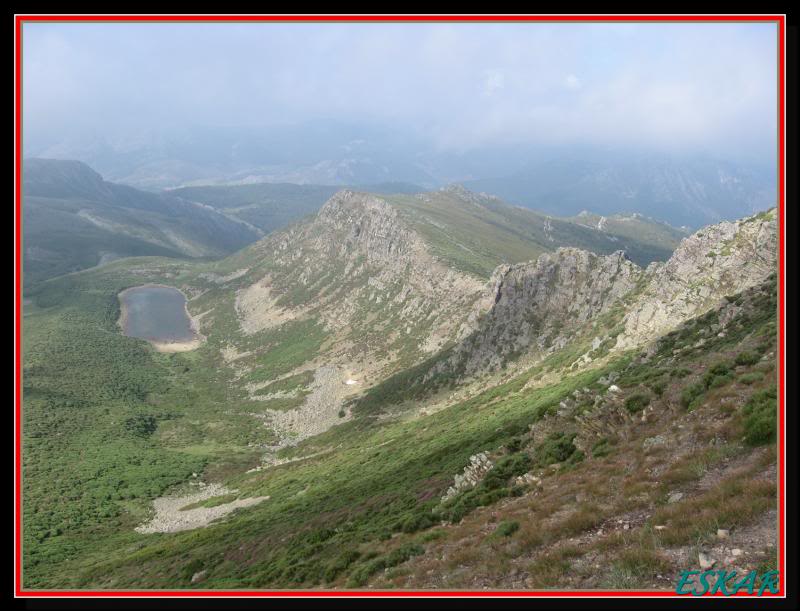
<point>528,306</point>
<point>532,307</point>
<point>715,261</point>
<point>364,273</point>
<point>360,224</point>
<point>464,194</point>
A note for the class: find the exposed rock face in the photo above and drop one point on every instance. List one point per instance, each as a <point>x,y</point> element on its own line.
<point>385,301</point>
<point>318,413</point>
<point>716,261</point>
<point>531,306</point>
<point>479,465</point>
<point>368,226</point>
<point>357,262</point>
<point>539,306</point>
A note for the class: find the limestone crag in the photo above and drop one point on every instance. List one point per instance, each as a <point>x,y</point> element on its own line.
<point>718,260</point>
<point>479,465</point>
<point>359,269</point>
<point>531,306</point>
<point>532,309</point>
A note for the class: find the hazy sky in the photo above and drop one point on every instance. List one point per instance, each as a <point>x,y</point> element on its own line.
<point>697,87</point>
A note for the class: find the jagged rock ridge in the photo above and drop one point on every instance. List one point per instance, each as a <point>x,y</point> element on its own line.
<point>715,261</point>
<point>539,307</point>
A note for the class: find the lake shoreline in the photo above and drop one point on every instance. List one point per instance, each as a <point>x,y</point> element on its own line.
<point>163,346</point>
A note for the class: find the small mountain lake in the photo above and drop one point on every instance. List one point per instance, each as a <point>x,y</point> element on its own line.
<point>156,314</point>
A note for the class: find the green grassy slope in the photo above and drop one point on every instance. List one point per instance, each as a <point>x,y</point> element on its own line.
<point>267,206</point>
<point>475,233</point>
<point>71,218</point>
<point>365,498</point>
<point>271,206</point>
<point>632,484</point>
<point>634,227</point>
<point>90,470</point>
<point>110,424</point>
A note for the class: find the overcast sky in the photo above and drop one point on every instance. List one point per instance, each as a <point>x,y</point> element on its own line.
<point>697,87</point>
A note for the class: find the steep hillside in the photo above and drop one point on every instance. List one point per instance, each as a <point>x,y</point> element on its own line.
<point>634,226</point>
<point>73,219</point>
<point>581,307</point>
<point>363,290</point>
<point>303,444</point>
<point>477,232</point>
<point>373,284</point>
<point>718,260</point>
<point>665,463</point>
<point>541,305</point>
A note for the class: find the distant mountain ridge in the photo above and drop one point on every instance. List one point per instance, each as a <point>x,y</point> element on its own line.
<point>679,188</point>
<point>269,206</point>
<point>692,192</point>
<point>73,219</point>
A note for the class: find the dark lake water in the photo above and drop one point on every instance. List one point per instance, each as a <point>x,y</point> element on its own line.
<point>156,313</point>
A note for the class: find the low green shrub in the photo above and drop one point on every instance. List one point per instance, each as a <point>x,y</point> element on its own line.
<point>747,357</point>
<point>691,395</point>
<point>506,528</point>
<point>558,447</point>
<point>720,369</point>
<point>417,522</point>
<point>761,417</point>
<point>601,448</point>
<point>719,381</point>
<point>658,387</point>
<point>403,553</point>
<point>506,467</point>
<point>637,402</point>
<point>751,378</point>
<point>341,564</point>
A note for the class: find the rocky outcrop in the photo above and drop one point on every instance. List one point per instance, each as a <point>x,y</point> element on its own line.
<point>479,465</point>
<point>718,260</point>
<point>359,269</point>
<point>532,306</point>
<point>386,301</point>
<point>365,225</point>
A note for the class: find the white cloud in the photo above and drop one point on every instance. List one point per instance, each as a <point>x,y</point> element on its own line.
<point>494,81</point>
<point>572,82</point>
<point>708,86</point>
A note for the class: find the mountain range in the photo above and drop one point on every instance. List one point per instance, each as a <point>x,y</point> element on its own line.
<point>689,192</point>
<point>73,220</point>
<point>424,390</point>
<point>681,189</point>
